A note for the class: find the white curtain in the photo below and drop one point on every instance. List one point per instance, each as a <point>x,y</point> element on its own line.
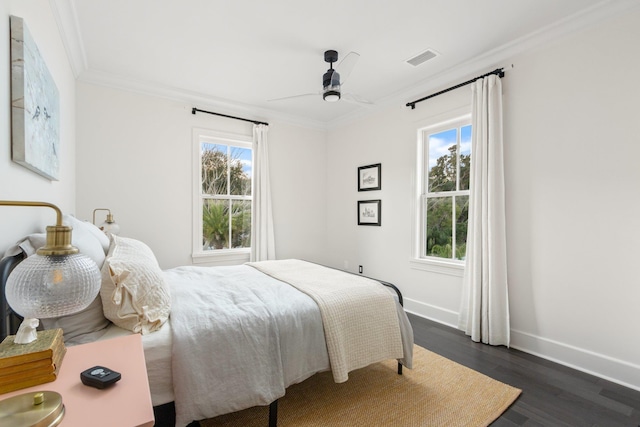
<point>484,312</point>
<point>262,237</point>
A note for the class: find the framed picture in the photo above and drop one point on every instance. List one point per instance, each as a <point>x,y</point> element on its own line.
<point>35,106</point>
<point>370,177</point>
<point>369,212</point>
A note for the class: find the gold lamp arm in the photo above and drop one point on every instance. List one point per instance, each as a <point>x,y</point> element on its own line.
<point>109,216</point>
<point>58,236</point>
<point>35,204</point>
<point>109,226</point>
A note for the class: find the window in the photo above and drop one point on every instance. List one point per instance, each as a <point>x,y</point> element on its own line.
<point>222,207</point>
<point>444,175</point>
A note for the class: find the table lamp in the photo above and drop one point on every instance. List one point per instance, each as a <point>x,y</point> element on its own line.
<point>54,282</point>
<point>109,226</point>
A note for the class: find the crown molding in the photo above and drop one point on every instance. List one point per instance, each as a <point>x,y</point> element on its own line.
<point>223,106</point>
<point>66,18</point>
<point>495,58</point>
<point>64,13</point>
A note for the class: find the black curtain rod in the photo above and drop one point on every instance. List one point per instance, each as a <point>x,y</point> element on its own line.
<point>498,71</point>
<point>255,122</point>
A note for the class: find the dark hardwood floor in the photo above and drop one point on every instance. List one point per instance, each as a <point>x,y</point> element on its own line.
<point>552,394</point>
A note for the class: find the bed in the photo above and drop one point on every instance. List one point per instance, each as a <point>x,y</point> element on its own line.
<point>238,336</point>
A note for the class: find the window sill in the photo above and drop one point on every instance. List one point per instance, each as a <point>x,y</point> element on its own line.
<point>222,257</point>
<point>451,268</point>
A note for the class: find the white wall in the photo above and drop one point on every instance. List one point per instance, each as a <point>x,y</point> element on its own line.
<point>135,158</point>
<point>17,182</point>
<point>572,177</point>
<point>571,154</point>
<point>389,138</point>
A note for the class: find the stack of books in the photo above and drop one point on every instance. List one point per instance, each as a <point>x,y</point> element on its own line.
<point>26,365</point>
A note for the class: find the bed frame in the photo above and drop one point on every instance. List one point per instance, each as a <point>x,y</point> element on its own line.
<point>10,321</point>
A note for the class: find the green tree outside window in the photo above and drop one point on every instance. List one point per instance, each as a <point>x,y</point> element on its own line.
<point>226,196</point>
<point>446,202</point>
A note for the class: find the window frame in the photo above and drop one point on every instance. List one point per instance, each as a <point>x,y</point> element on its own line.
<point>450,266</point>
<point>218,256</point>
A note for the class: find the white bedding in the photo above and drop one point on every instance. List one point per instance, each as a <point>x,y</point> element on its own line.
<point>264,336</point>
<point>157,354</point>
<point>236,338</point>
<point>359,315</point>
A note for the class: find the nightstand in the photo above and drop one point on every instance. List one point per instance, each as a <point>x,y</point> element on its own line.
<point>126,403</point>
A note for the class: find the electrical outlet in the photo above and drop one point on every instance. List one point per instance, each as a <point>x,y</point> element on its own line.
<point>360,269</point>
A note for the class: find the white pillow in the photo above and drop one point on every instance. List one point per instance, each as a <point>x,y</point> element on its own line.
<point>84,230</point>
<point>135,295</point>
<point>84,326</point>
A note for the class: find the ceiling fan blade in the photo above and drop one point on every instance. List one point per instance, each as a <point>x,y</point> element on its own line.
<point>345,67</point>
<point>333,80</point>
<point>294,96</point>
<point>355,99</point>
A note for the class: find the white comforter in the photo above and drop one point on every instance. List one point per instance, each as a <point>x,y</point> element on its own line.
<point>359,315</point>
<point>241,337</point>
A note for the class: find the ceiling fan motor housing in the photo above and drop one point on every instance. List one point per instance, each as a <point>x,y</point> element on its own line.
<point>330,75</point>
<point>331,56</point>
<point>331,92</point>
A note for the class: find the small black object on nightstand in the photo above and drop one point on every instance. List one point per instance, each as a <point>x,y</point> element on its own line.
<point>99,377</point>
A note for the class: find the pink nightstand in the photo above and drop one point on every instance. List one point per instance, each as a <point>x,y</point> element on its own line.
<point>127,403</point>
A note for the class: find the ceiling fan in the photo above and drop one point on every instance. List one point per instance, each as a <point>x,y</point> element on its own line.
<point>334,79</point>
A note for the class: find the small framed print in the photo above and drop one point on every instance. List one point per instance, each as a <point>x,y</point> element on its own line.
<point>370,177</point>
<point>369,212</point>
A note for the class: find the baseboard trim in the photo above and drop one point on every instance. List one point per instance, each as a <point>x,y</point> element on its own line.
<point>602,366</point>
<point>431,312</point>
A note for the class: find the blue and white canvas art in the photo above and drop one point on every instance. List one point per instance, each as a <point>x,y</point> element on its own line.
<point>35,106</point>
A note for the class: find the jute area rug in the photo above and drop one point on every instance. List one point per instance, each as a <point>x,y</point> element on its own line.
<point>436,392</point>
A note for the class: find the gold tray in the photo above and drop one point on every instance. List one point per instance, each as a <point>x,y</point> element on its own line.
<point>34,409</point>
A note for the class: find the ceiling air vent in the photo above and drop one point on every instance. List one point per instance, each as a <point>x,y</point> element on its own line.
<point>422,57</point>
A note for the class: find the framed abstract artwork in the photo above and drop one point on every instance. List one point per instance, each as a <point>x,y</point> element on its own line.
<point>35,106</point>
<point>369,212</point>
<point>370,177</point>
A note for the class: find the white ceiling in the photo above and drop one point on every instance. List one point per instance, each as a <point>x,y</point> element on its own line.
<point>238,54</point>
